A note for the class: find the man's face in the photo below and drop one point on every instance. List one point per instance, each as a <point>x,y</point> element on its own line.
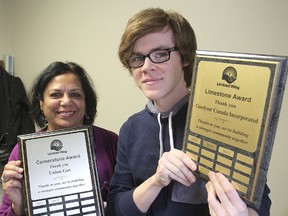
<point>161,82</point>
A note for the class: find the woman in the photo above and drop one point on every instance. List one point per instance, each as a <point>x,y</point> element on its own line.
<point>62,96</point>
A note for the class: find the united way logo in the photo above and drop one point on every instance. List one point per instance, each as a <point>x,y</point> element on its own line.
<point>56,145</point>
<point>229,74</point>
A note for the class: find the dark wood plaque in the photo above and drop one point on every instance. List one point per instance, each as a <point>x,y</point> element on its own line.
<point>60,173</point>
<point>232,117</point>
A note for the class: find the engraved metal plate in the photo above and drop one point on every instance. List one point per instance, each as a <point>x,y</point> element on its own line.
<point>60,173</point>
<point>232,117</point>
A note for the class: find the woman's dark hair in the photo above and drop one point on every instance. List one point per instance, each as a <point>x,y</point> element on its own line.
<point>56,69</point>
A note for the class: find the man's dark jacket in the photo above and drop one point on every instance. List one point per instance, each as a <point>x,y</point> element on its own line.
<point>15,116</point>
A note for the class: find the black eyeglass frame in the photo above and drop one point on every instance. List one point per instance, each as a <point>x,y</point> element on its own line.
<point>169,50</point>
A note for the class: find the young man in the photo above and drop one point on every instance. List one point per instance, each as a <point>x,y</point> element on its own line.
<point>158,48</point>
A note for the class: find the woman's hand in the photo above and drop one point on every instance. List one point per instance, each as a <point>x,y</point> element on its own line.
<point>11,184</point>
<point>175,165</point>
<point>223,199</point>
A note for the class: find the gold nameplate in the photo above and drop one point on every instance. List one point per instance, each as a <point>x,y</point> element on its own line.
<point>232,117</point>
<point>60,173</point>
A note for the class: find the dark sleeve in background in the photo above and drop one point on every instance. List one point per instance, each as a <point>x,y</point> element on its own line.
<point>15,113</point>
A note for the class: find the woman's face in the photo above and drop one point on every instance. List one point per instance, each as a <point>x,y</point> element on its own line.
<point>63,102</point>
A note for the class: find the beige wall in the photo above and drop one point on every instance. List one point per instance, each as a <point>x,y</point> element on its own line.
<point>88,31</point>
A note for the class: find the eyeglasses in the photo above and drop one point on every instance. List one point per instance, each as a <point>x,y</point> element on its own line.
<point>156,56</point>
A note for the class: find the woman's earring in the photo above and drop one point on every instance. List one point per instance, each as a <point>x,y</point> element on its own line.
<point>44,120</point>
<point>86,117</point>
